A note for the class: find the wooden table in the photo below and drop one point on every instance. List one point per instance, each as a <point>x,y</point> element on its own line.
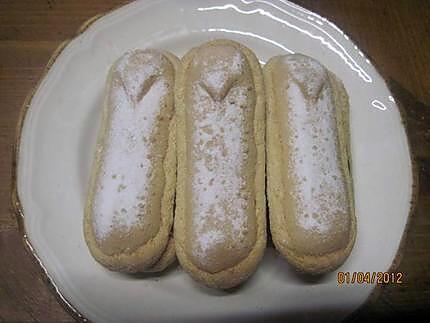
<point>395,34</point>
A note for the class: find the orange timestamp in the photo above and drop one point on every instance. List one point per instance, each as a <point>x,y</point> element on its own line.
<point>360,277</point>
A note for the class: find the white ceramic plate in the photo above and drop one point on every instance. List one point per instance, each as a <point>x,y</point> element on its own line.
<point>58,140</point>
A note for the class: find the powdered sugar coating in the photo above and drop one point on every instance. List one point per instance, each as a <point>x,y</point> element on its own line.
<point>216,76</point>
<point>219,151</point>
<point>321,192</point>
<point>217,184</point>
<point>135,95</point>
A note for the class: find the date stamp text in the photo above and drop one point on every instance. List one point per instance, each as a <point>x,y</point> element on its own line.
<point>360,277</point>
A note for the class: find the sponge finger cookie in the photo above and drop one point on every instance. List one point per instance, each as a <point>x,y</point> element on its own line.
<point>310,193</point>
<point>220,225</point>
<point>129,210</point>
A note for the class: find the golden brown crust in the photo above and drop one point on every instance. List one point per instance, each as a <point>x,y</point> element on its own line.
<point>226,277</point>
<point>167,258</point>
<point>157,247</point>
<point>326,256</point>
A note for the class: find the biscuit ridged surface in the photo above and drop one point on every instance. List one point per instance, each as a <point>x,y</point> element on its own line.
<point>129,211</point>
<point>308,163</point>
<point>220,229</point>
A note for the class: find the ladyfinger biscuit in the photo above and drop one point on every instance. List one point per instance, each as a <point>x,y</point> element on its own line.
<point>311,207</point>
<point>129,210</point>
<point>220,225</point>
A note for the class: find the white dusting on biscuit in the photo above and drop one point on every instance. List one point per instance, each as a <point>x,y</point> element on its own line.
<point>219,151</point>
<point>126,169</point>
<point>320,193</point>
<point>216,76</point>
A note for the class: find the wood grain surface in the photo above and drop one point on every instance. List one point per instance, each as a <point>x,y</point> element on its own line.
<point>393,33</point>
